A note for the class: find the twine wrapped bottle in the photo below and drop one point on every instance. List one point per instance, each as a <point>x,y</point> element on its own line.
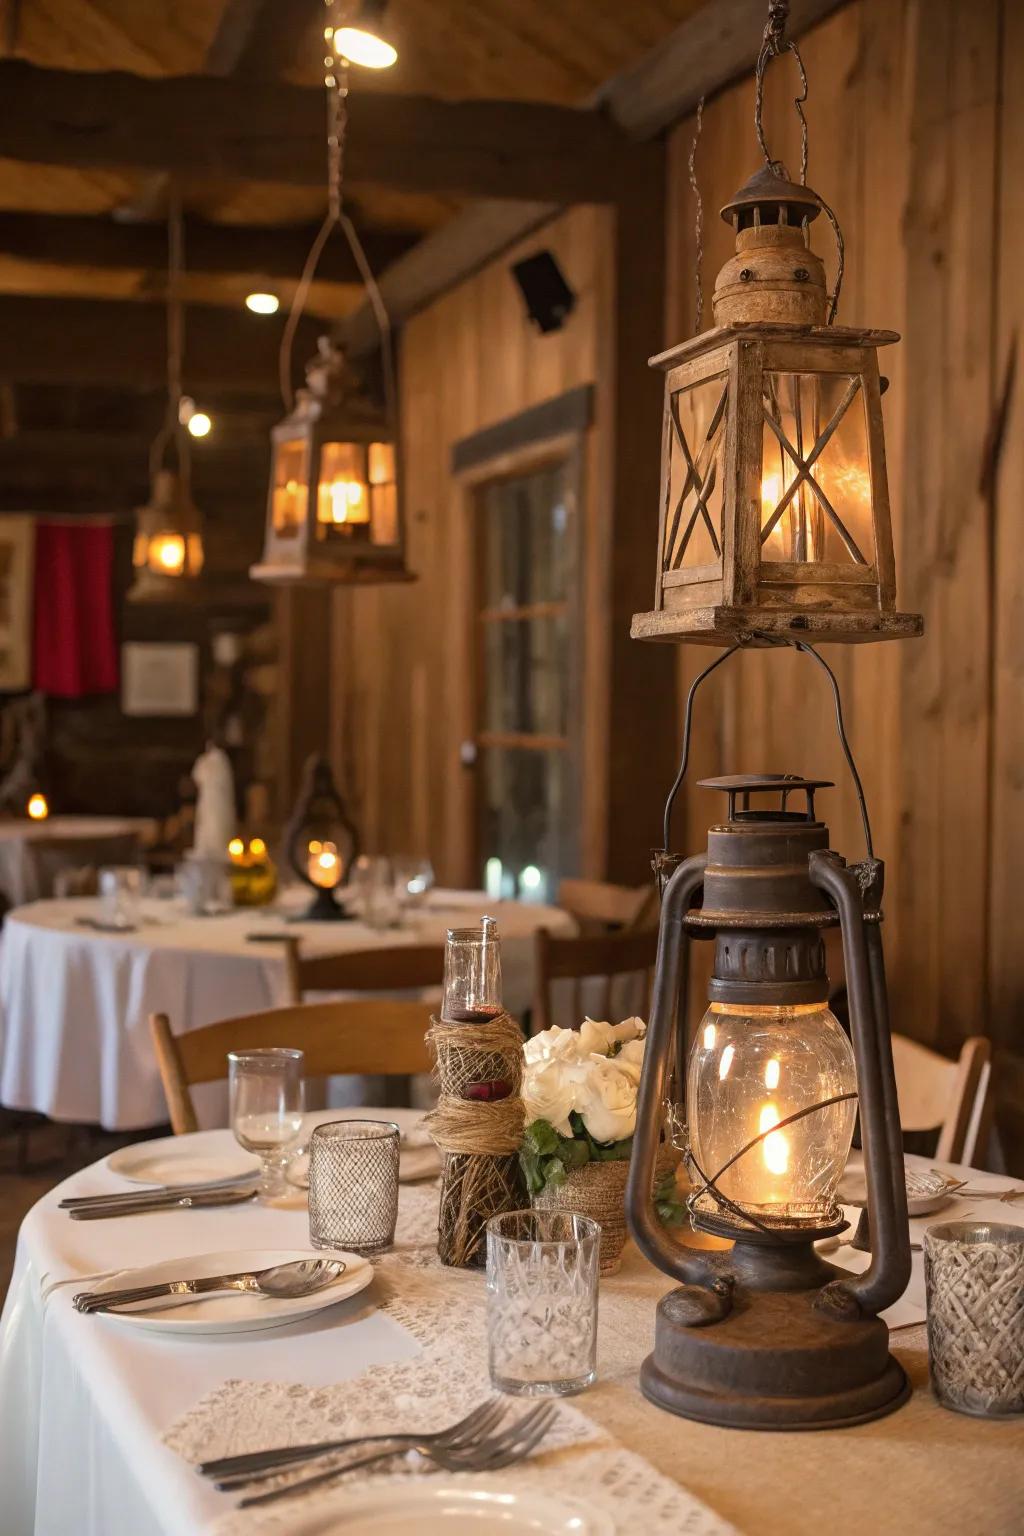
<point>478,1122</point>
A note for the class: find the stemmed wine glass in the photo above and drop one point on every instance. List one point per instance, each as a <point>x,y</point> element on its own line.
<point>266,1108</point>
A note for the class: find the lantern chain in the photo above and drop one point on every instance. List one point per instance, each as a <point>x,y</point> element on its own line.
<point>774,43</point>
<point>336,84</point>
<point>698,222</point>
<point>170,431</point>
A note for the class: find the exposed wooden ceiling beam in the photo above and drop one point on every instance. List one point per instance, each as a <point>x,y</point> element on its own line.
<point>447,256</point>
<point>262,38</point>
<point>81,240</point>
<point>195,125</point>
<point>716,45</point>
<point>108,342</point>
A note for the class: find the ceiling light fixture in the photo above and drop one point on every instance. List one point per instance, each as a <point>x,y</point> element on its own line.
<point>262,303</point>
<point>365,41</point>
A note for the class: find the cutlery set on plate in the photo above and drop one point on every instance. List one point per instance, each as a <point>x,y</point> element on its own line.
<point>484,1441</point>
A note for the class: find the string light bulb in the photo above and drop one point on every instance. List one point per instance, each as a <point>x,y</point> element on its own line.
<point>262,303</point>
<point>199,424</point>
<point>364,41</point>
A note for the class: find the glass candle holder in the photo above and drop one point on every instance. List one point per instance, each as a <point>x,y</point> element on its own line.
<point>542,1275</point>
<point>353,1185</point>
<point>472,974</point>
<point>120,889</point>
<point>974,1282</point>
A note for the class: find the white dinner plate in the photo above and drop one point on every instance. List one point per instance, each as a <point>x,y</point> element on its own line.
<point>174,1160</point>
<point>231,1311</point>
<point>431,1510</point>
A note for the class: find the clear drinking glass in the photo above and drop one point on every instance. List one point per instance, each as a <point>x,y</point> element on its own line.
<point>353,1185</point>
<point>413,879</point>
<point>373,886</point>
<point>472,974</point>
<point>542,1273</point>
<point>265,1088</point>
<point>120,889</point>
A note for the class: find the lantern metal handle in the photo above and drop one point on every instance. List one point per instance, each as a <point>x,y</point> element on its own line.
<point>686,1265</point>
<point>885,1279</point>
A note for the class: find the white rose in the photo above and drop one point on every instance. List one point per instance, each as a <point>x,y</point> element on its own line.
<point>600,1037</point>
<point>552,1045</point>
<point>606,1099</point>
<point>549,1093</point>
<point>630,1060</point>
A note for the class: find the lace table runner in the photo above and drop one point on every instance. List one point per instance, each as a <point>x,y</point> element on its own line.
<point>445,1311</point>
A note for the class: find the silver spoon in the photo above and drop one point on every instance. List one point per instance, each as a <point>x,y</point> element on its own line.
<point>299,1277</point>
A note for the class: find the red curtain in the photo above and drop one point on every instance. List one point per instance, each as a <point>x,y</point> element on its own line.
<point>75,638</point>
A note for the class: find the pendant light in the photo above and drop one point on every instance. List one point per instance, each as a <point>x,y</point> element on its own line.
<point>168,549</point>
<point>334,514</point>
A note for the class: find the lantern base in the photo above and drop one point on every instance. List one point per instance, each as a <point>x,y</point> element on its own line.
<point>324,908</point>
<point>775,1361</point>
<point>773,626</point>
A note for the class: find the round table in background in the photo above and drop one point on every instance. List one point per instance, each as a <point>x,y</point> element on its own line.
<point>75,1003</point>
<point>33,852</point>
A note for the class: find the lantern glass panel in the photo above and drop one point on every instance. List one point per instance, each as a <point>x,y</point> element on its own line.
<point>751,1066</point>
<point>343,502</point>
<point>383,494</point>
<point>693,528</point>
<point>825,515</point>
<point>289,491</point>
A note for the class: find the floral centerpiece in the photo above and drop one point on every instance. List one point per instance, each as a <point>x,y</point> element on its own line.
<point>580,1089</point>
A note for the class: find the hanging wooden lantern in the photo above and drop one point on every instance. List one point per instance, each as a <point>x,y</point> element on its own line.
<point>333,512</point>
<point>168,546</point>
<point>774,502</point>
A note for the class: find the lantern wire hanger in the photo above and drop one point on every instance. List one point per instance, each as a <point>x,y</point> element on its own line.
<point>774,43</point>
<point>171,430</point>
<point>336,84</point>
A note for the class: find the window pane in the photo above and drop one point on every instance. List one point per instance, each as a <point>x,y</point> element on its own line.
<point>524,525</point>
<point>524,820</point>
<point>693,527</point>
<point>829,520</point>
<point>525,667</point>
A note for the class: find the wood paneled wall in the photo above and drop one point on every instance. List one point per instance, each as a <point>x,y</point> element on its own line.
<point>916,112</point>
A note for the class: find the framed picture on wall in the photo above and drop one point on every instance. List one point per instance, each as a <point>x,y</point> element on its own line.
<point>159,679</point>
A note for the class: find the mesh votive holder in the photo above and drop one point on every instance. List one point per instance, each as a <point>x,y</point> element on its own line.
<point>353,1185</point>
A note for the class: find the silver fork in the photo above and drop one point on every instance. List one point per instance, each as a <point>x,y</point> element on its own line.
<point>251,1466</point>
<point>486,1455</point>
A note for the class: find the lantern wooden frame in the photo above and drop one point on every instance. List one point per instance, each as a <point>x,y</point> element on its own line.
<point>740,595</point>
<point>306,550</point>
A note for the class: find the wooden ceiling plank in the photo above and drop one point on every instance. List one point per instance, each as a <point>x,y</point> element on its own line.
<point>718,44</point>
<point>98,342</point>
<point>82,241</point>
<point>261,39</point>
<point>195,125</point>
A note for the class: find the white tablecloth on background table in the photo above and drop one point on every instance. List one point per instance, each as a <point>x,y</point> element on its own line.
<point>75,1003</point>
<point>23,879</point>
<point>85,1402</point>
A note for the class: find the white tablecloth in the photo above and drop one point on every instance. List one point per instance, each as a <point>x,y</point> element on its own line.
<point>84,1402</point>
<point>26,873</point>
<point>75,1003</point>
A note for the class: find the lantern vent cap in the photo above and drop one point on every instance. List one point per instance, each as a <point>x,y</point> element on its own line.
<point>771,196</point>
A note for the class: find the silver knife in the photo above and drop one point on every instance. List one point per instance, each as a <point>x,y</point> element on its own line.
<point>156,1191</point>
<point>133,1207</point>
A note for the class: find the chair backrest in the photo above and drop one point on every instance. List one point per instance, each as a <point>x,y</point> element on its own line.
<point>399,968</point>
<point>369,1037</point>
<point>599,960</point>
<point>596,905</point>
<point>953,1097</point>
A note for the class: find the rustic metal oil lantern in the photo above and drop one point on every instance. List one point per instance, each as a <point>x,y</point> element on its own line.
<point>168,545</point>
<point>321,842</point>
<point>769,1335</point>
<point>333,512</point>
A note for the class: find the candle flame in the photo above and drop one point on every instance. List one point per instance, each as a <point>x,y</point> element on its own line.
<point>37,807</point>
<point>775,1147</point>
<point>726,1062</point>
<point>771,1074</point>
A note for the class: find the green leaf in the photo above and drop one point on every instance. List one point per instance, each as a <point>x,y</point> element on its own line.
<point>575,1154</point>
<point>554,1173</point>
<point>669,1202</point>
<point>542,1138</point>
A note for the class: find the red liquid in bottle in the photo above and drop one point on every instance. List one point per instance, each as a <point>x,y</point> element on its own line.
<point>482,1015</point>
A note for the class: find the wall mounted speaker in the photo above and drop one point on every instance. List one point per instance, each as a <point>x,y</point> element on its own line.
<point>548,297</point>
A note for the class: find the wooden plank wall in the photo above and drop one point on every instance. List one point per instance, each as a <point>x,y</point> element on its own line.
<point>468,361</point>
<point>917,139</point>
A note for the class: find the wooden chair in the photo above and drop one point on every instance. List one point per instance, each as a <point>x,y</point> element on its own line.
<point>402,968</point>
<point>953,1097</point>
<point>372,1037</point>
<point>604,958</point>
<point>600,907</point>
